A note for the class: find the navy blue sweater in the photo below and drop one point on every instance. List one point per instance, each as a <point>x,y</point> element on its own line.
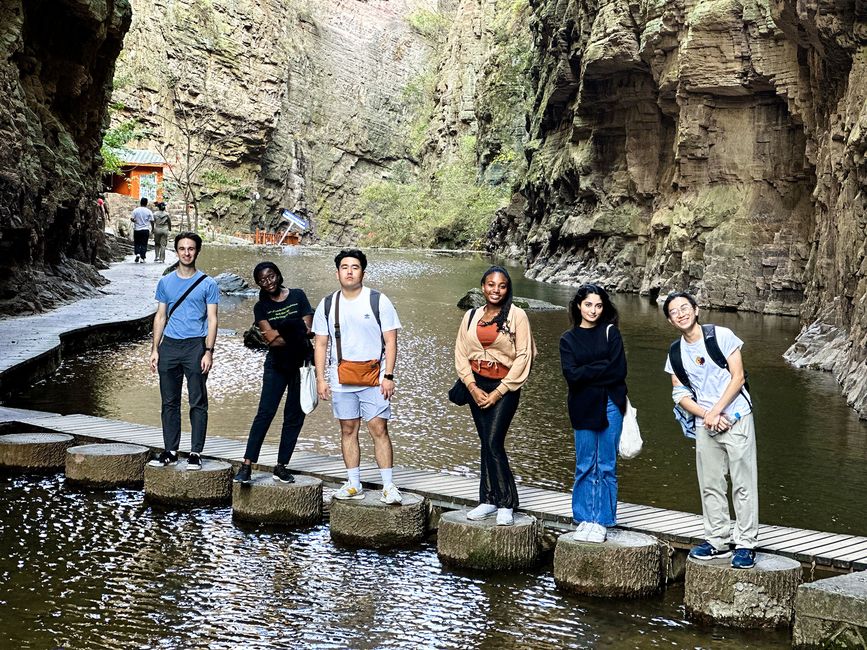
<point>595,369</point>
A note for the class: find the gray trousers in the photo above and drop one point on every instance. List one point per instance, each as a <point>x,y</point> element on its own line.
<point>734,453</point>
<point>181,358</point>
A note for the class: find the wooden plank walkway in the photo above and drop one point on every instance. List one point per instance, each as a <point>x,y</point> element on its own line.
<point>31,346</point>
<point>682,529</point>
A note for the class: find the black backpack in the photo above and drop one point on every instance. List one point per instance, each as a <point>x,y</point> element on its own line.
<point>716,355</point>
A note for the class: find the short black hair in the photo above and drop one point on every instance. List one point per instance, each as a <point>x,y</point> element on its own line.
<point>189,235</point>
<point>144,201</point>
<point>678,294</point>
<point>351,252</point>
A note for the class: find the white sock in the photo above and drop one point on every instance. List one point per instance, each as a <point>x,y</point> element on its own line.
<point>354,475</point>
<point>386,474</point>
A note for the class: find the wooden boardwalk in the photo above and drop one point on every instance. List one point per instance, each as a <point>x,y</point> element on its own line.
<point>31,346</point>
<point>681,529</point>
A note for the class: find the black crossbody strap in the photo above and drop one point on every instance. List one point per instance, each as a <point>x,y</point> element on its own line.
<point>186,293</point>
<point>337,327</point>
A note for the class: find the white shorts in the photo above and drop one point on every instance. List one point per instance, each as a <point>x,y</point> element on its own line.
<point>367,403</point>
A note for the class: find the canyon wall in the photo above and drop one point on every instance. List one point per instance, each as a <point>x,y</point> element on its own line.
<point>56,65</point>
<point>712,145</point>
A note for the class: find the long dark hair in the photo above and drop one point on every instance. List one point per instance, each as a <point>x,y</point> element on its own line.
<point>609,311</point>
<point>260,268</point>
<point>506,303</point>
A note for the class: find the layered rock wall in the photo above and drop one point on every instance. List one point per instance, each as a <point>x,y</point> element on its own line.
<point>56,65</point>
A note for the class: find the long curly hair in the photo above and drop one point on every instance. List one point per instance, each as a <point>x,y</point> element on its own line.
<point>506,304</point>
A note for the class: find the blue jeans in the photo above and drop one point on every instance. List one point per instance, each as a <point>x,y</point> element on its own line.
<point>594,495</point>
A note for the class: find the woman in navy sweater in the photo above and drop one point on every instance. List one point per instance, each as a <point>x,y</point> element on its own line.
<point>594,365</point>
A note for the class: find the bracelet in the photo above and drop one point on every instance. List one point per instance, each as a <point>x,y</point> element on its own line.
<point>211,350</point>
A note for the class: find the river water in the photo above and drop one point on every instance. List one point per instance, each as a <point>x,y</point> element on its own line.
<point>91,567</point>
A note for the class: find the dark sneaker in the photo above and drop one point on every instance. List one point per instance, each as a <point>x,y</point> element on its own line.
<point>164,459</point>
<point>136,259</point>
<point>744,558</point>
<point>244,474</point>
<point>194,462</point>
<point>283,475</point>
<point>706,551</point>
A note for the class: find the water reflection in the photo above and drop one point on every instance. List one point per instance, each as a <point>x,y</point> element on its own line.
<point>806,433</point>
<point>90,570</point>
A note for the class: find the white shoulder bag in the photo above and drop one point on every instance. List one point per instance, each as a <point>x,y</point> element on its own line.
<point>309,395</point>
<point>630,436</point>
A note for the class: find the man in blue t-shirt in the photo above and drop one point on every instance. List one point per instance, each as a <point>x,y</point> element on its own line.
<point>185,330</point>
<point>725,437</point>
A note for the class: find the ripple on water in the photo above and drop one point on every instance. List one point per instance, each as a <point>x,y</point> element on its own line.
<point>85,569</point>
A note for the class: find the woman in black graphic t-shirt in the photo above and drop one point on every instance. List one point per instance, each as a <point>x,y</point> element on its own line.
<point>284,316</point>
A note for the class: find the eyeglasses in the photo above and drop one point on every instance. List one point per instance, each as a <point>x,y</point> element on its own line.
<point>266,278</point>
<point>677,311</point>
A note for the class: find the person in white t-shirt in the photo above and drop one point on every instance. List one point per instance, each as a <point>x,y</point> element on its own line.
<point>362,327</point>
<point>725,437</point>
<point>141,218</point>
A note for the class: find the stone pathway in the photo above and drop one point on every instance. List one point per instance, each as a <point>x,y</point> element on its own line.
<point>33,342</point>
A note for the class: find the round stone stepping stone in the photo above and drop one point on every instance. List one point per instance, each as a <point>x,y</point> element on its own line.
<point>485,546</point>
<point>175,485</point>
<point>268,501</point>
<point>625,565</point>
<point>370,523</point>
<point>34,451</point>
<point>108,465</point>
<point>763,596</point>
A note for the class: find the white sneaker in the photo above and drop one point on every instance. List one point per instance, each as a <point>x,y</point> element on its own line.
<point>391,494</point>
<point>481,511</point>
<point>596,533</point>
<point>504,517</point>
<point>580,534</point>
<point>349,492</point>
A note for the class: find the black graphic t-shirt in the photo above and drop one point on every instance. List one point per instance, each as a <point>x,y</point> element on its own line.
<point>285,317</point>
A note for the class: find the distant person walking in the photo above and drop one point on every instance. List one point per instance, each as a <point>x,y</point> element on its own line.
<point>185,330</point>
<point>162,225</point>
<point>284,317</point>
<point>141,219</point>
<point>493,354</point>
<point>708,382</point>
<point>362,326</point>
<point>594,365</point>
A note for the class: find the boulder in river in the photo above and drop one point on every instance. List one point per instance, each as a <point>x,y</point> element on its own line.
<point>232,284</point>
<point>475,299</point>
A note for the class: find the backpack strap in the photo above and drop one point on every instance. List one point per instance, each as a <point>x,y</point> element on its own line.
<point>677,364</point>
<point>374,306</point>
<point>714,352</point>
<point>470,319</point>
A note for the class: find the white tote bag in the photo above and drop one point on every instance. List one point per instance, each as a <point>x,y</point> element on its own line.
<point>630,436</point>
<point>309,396</point>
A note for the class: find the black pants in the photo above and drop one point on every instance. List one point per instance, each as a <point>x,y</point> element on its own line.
<point>140,242</point>
<point>498,483</point>
<point>181,358</point>
<point>274,383</point>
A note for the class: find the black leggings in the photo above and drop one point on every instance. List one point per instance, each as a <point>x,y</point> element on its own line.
<point>497,485</point>
<point>274,383</point>
<point>140,242</point>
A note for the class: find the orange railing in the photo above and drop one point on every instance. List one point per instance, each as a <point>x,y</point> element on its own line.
<point>270,238</point>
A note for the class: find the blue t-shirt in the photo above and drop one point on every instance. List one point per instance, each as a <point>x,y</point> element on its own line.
<point>190,320</point>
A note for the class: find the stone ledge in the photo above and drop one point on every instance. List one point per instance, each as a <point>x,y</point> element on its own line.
<point>485,546</point>
<point>265,500</point>
<point>107,465</point>
<point>45,452</point>
<point>832,613</point>
<point>370,523</point>
<point>175,485</point>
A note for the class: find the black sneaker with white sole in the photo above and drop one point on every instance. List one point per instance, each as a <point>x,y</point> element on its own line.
<point>283,475</point>
<point>245,474</point>
<point>194,462</point>
<point>164,459</point>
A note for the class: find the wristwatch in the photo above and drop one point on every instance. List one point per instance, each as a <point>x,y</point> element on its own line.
<point>209,350</point>
<point>389,377</point>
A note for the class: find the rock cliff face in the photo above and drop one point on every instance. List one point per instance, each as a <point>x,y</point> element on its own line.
<point>56,65</point>
<point>307,98</point>
<point>716,145</point>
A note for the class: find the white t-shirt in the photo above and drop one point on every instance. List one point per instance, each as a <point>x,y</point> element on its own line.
<point>360,336</point>
<point>708,380</point>
<point>142,217</point>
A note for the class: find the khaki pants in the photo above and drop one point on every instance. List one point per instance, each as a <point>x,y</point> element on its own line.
<point>161,238</point>
<point>734,453</point>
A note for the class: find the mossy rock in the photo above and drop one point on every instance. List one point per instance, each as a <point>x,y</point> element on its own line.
<point>474,299</point>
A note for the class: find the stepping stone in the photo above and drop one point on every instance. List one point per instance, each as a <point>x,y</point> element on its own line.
<point>175,485</point>
<point>370,523</point>
<point>107,465</point>
<point>832,613</point>
<point>273,502</point>
<point>485,546</point>
<point>34,451</point>
<point>626,564</point>
<point>763,596</point>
